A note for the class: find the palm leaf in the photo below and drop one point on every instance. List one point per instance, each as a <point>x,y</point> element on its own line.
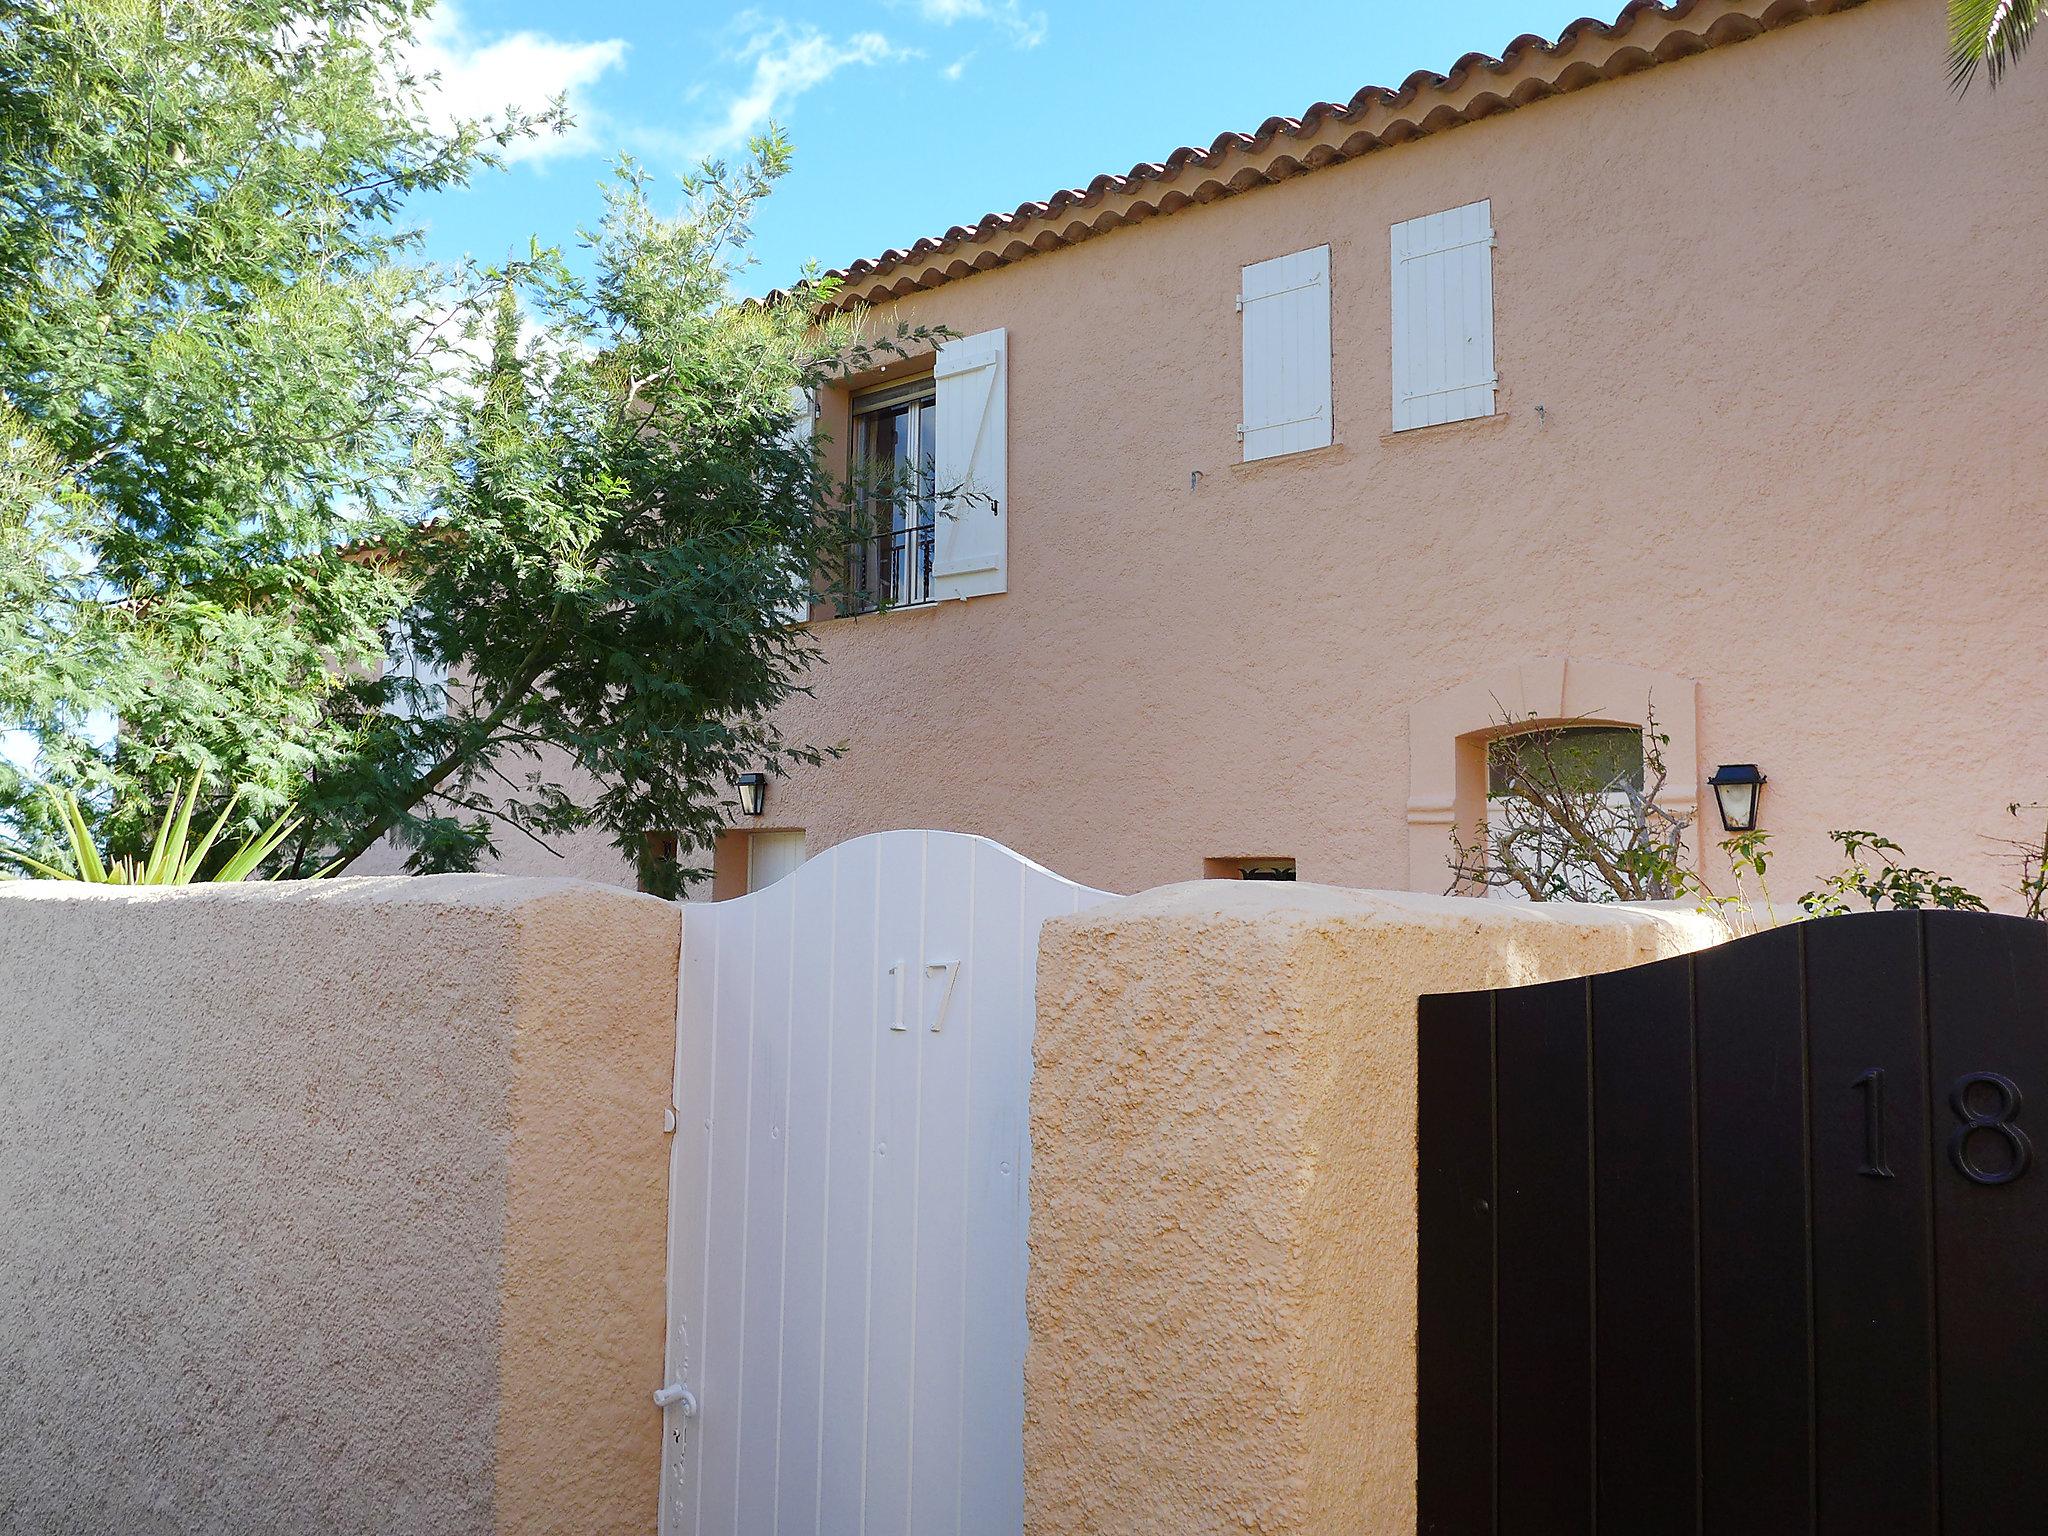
<point>258,848</point>
<point>159,848</point>
<point>1989,35</point>
<point>173,859</point>
<point>85,853</point>
<point>190,867</point>
<point>47,871</point>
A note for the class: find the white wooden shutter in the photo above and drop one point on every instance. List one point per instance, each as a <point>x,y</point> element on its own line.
<point>801,407</point>
<point>1443,317</point>
<point>972,461</point>
<point>1286,307</point>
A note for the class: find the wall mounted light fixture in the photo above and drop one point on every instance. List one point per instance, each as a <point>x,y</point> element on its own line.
<point>753,788</point>
<point>1739,792</point>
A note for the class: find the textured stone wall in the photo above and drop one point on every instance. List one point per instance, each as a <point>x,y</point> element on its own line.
<point>1223,1228</point>
<point>332,1208</point>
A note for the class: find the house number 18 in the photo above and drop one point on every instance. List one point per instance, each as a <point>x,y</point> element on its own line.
<point>1997,1118</point>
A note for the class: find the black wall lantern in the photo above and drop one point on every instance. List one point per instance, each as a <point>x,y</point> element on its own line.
<point>753,788</point>
<point>1738,790</point>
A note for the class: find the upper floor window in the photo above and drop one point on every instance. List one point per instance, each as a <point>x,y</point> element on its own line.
<point>1443,317</point>
<point>895,455</point>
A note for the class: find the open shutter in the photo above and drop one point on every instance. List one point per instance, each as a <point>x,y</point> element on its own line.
<point>798,609</point>
<point>1286,307</point>
<point>1443,317</point>
<point>972,460</point>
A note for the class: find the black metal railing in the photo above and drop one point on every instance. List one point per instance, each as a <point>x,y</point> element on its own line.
<point>892,569</point>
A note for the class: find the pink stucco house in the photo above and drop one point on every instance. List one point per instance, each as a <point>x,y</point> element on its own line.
<point>1695,362</point>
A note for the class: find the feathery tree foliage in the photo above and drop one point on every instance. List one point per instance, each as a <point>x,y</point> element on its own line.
<point>246,433</point>
<point>620,511</point>
<point>1989,35</point>
<point>212,358</point>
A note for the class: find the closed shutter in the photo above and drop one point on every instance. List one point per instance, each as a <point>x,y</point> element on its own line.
<point>1286,308</point>
<point>1443,317</point>
<point>972,465</point>
<point>801,406</point>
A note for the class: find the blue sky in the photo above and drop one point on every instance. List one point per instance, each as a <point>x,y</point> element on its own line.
<point>908,115</point>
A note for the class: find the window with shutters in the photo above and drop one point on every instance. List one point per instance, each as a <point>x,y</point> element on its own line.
<point>1285,304</point>
<point>1443,317</point>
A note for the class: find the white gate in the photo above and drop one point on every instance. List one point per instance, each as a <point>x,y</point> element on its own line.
<point>847,1197</point>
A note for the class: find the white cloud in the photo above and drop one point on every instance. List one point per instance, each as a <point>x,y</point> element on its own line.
<point>787,60</point>
<point>1024,28</point>
<point>481,77</point>
<point>958,67</point>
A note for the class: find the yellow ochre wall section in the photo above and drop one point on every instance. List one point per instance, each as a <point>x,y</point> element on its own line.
<point>1223,1224</point>
<point>332,1207</point>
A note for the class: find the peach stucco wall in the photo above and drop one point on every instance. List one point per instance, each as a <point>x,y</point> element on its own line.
<point>1223,1224</point>
<point>332,1208</point>
<point>1780,305</point>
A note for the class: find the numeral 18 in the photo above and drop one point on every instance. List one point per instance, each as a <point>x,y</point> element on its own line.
<point>1997,1118</point>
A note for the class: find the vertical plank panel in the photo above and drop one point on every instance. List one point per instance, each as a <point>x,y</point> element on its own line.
<point>849,1169</point>
<point>1873,1301</point>
<point>689,1212</point>
<point>946,1045</point>
<point>723,1370</point>
<point>1318,428</point>
<point>1646,1384</point>
<point>1455,1279</point>
<point>1755,1301</point>
<point>1545,1269</point>
<point>994,982</point>
<point>1435,370</point>
<point>814,942</point>
<point>893,1232</point>
<point>1400,335</point>
<point>1987,993</point>
<point>758,1408</point>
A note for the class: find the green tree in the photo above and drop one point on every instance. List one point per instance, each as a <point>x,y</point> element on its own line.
<point>215,342</point>
<point>249,434</point>
<point>619,517</point>
<point>1989,35</point>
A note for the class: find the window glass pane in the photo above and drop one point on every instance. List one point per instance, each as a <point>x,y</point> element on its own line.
<point>1587,757</point>
<point>894,457</point>
<point>927,458</point>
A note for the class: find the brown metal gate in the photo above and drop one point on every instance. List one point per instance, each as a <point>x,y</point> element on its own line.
<point>1750,1241</point>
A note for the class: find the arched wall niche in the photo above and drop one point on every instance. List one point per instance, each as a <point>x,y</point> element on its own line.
<point>1448,732</point>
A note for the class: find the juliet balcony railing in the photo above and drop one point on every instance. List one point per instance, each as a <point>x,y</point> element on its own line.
<point>892,569</point>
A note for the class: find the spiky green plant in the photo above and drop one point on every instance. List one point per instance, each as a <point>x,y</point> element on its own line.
<point>174,858</point>
<point>1989,35</point>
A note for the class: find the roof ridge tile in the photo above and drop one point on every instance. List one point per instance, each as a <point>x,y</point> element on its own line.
<point>876,278</point>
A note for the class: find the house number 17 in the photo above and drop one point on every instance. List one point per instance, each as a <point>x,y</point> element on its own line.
<point>1997,1118</point>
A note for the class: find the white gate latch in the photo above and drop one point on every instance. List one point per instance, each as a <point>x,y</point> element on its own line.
<point>677,1396</point>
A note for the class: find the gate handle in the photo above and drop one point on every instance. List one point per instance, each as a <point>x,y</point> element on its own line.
<point>677,1396</point>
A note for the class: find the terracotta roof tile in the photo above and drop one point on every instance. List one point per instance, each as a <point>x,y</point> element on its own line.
<point>1645,33</point>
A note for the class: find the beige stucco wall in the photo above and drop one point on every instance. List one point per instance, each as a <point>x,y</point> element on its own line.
<point>1780,304</point>
<point>332,1208</point>
<point>1223,1226</point>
